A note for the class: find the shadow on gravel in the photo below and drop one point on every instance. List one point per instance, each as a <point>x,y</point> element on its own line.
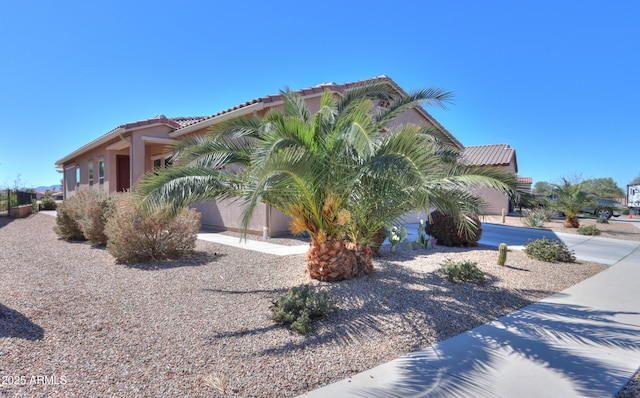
<point>5,220</point>
<point>442,310</point>
<point>197,259</point>
<point>14,324</point>
<point>425,304</point>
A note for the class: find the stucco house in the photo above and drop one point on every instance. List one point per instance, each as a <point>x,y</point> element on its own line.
<point>116,160</point>
<point>501,156</point>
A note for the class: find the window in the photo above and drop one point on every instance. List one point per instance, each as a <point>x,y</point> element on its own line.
<point>77,176</point>
<point>90,175</point>
<point>101,174</point>
<point>162,161</point>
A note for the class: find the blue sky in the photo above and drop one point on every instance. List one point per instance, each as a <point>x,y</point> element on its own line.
<point>557,80</point>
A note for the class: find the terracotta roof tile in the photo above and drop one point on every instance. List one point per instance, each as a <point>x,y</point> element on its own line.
<point>185,121</point>
<point>306,91</point>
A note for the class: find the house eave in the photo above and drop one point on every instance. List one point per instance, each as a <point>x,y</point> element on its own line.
<point>91,145</point>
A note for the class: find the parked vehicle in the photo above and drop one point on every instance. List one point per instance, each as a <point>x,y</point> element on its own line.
<point>605,208</point>
<point>633,197</point>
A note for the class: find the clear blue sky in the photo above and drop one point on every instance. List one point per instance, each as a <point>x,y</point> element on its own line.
<point>557,80</point>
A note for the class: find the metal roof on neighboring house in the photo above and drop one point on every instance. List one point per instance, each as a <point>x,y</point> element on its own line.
<point>489,155</point>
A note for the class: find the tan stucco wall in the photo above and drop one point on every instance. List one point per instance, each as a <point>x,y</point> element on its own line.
<point>94,156</point>
<point>139,151</point>
<point>495,200</point>
<point>140,156</point>
<point>227,215</point>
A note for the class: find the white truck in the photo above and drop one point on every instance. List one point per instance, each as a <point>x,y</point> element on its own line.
<point>633,197</point>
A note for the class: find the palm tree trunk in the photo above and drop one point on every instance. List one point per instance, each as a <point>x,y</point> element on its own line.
<point>377,241</point>
<point>336,260</point>
<point>571,222</point>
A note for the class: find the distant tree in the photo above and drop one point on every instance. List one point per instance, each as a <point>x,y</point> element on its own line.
<point>18,184</point>
<point>635,180</point>
<point>603,188</point>
<point>542,188</point>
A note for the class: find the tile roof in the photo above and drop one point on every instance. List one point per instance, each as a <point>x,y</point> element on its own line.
<point>185,121</point>
<point>489,155</point>
<point>318,89</point>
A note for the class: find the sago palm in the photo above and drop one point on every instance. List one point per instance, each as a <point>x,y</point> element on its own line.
<point>341,174</point>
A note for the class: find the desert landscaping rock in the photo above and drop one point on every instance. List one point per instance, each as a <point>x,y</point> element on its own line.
<point>97,328</point>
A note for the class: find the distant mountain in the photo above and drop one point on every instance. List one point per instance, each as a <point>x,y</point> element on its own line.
<point>50,188</point>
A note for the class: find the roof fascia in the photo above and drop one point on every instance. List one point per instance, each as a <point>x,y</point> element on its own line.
<point>91,145</point>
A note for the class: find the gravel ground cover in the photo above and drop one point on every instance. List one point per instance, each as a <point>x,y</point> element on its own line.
<point>73,323</point>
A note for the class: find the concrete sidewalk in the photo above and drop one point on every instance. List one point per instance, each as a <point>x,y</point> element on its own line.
<point>581,342</point>
<point>255,245</point>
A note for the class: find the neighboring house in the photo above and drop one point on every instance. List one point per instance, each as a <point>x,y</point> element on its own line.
<point>500,156</point>
<point>116,160</point>
<point>54,195</point>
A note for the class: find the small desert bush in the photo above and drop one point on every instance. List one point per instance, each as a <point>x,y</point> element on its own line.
<point>443,227</point>
<point>96,209</point>
<point>602,220</point>
<point>87,211</point>
<point>67,216</point>
<point>48,203</point>
<point>136,236</point>
<point>300,306</point>
<point>538,216</point>
<point>468,271</point>
<point>588,230</point>
<point>549,250</point>
<point>626,211</point>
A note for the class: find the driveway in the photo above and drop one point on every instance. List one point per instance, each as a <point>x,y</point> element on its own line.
<point>586,248</point>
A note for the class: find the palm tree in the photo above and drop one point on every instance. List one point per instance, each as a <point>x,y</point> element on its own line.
<point>341,174</point>
<point>571,199</point>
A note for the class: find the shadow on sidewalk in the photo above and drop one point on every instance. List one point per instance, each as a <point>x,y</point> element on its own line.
<point>541,339</point>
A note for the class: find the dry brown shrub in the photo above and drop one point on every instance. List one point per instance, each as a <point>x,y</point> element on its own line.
<point>135,236</point>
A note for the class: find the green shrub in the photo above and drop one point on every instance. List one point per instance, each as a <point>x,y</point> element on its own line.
<point>588,230</point>
<point>602,220</point>
<point>135,236</point>
<point>67,226</point>
<point>442,227</point>
<point>300,306</point>
<point>549,250</point>
<point>48,203</point>
<point>626,211</point>
<point>462,271</point>
<point>536,217</point>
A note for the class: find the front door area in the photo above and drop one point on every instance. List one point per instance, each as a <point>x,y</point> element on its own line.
<point>123,179</point>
